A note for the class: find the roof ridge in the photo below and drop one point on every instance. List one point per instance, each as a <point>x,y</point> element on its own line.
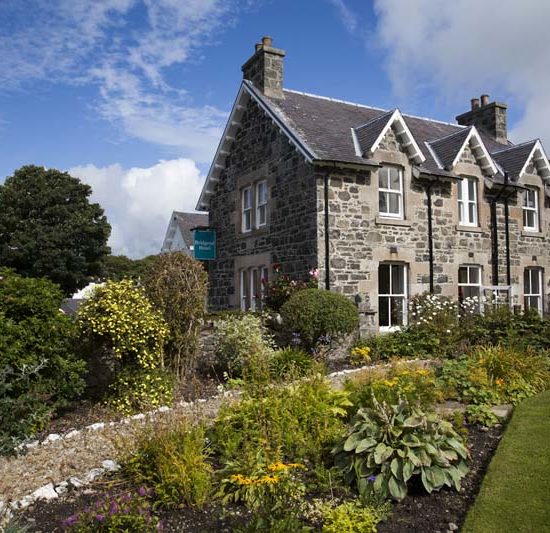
<point>515,146</point>
<point>447,136</point>
<point>379,117</point>
<point>303,93</point>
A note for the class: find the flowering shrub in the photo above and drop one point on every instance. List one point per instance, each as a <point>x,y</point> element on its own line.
<point>318,315</point>
<point>283,287</point>
<point>352,517</point>
<point>389,445</point>
<point>360,355</point>
<point>273,493</point>
<point>116,514</point>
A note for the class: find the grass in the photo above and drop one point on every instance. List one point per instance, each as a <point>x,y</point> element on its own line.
<point>515,494</point>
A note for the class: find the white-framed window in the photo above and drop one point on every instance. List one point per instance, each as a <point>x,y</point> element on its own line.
<point>245,290</point>
<point>261,203</point>
<point>390,192</point>
<point>469,283</point>
<point>392,296</point>
<point>467,202</point>
<point>531,210</point>
<point>247,209</point>
<point>253,288</point>
<point>532,289</point>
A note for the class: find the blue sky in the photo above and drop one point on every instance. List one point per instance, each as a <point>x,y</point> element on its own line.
<point>132,95</point>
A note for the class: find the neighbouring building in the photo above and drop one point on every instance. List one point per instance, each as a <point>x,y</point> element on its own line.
<point>386,205</point>
<point>179,235</point>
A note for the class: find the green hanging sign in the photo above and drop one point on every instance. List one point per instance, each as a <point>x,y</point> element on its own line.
<point>204,244</point>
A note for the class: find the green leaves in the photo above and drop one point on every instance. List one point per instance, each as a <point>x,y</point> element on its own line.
<point>390,444</point>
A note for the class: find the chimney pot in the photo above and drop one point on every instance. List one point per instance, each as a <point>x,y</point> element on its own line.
<point>475,103</point>
<point>484,99</point>
<point>267,41</point>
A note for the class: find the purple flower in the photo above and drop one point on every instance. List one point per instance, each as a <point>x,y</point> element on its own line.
<point>114,508</point>
<point>100,517</point>
<point>73,519</point>
<point>142,491</point>
<point>372,479</point>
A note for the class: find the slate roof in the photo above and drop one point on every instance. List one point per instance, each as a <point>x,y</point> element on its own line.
<point>70,306</point>
<point>187,221</point>
<point>513,159</point>
<point>369,132</point>
<point>447,148</point>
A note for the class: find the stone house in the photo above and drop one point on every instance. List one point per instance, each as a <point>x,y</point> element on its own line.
<point>179,234</point>
<point>386,205</point>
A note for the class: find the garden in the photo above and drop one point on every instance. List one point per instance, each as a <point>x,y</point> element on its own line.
<point>312,429</point>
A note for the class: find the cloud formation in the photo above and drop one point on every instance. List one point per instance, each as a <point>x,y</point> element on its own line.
<point>138,202</point>
<point>348,18</point>
<point>457,50</point>
<point>127,48</point>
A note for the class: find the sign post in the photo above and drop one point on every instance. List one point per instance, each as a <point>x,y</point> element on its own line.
<point>204,244</point>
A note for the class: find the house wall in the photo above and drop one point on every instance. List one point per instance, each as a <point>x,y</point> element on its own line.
<point>360,240</point>
<point>260,151</point>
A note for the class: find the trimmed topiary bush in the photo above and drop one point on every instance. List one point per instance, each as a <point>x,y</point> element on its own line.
<point>317,315</point>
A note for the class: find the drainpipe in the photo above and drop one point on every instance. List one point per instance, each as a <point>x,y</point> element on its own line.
<point>507,234</point>
<point>430,236</point>
<point>327,239</point>
<point>494,241</point>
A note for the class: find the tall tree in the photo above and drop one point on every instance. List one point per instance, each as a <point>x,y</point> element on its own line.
<point>49,228</point>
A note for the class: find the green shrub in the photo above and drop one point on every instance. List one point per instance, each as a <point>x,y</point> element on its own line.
<point>271,492</point>
<point>415,384</point>
<point>280,289</point>
<point>116,513</point>
<point>389,445</point>
<point>172,458</point>
<point>239,340</point>
<point>177,285</point>
<point>318,315</point>
<point>352,517</point>
<point>39,371</point>
<point>481,414</point>
<point>121,324</point>
<point>290,362</point>
<point>300,421</point>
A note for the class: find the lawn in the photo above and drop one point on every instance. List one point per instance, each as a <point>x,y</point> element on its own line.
<point>515,494</point>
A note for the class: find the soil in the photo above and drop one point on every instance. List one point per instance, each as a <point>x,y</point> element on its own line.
<point>438,512</point>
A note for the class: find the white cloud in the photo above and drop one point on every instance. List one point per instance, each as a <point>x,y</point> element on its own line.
<point>348,18</point>
<point>457,50</point>
<point>138,202</point>
<point>127,55</point>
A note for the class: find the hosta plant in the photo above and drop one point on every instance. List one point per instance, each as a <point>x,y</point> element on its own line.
<point>389,446</point>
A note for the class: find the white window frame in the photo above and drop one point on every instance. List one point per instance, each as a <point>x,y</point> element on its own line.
<point>389,191</point>
<point>468,283</point>
<point>244,285</point>
<point>527,209</point>
<point>246,209</point>
<point>404,296</point>
<point>530,272</point>
<point>464,202</point>
<point>252,291</point>
<point>261,204</point>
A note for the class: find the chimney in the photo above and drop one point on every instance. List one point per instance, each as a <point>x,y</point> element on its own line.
<point>489,117</point>
<point>265,69</point>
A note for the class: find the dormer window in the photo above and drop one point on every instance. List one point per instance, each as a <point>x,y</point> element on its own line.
<point>467,202</point>
<point>390,192</point>
<point>530,210</point>
<point>247,209</point>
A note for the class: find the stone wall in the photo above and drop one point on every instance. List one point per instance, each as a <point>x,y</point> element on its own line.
<point>261,151</point>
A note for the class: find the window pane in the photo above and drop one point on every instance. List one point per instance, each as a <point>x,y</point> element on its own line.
<point>247,200</point>
<point>247,220</point>
<point>526,281</point>
<point>471,213</point>
<point>535,282</point>
<point>462,275</point>
<point>383,178</point>
<point>461,211</point>
<point>460,185</point>
<point>530,219</point>
<point>395,181</point>
<point>397,314</point>
<point>474,275</point>
<point>394,203</point>
<point>384,279</point>
<point>398,279</point>
<point>383,311</point>
<point>261,215</point>
<point>471,190</point>
<point>383,199</point>
<point>470,292</point>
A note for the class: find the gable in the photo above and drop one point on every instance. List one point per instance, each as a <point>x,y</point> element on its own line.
<point>537,163</point>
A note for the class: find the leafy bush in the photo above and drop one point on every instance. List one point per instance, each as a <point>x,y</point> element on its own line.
<point>300,421</point>
<point>39,372</point>
<point>116,513</point>
<point>351,517</point>
<point>172,458</point>
<point>360,355</point>
<point>273,493</point>
<point>316,313</point>
<point>120,323</point>
<point>283,287</point>
<point>177,285</point>
<point>290,362</point>
<point>481,414</point>
<point>390,445</point>
<point>412,382</point>
<point>240,339</point>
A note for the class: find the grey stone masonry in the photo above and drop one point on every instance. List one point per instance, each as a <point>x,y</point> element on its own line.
<point>265,69</point>
<point>489,117</point>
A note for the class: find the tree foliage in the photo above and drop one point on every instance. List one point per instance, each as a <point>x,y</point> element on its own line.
<point>118,267</point>
<point>177,284</point>
<point>49,228</point>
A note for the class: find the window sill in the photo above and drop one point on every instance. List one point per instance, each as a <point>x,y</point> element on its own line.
<point>471,229</point>
<point>388,221</point>
<point>253,232</point>
<point>537,234</point>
